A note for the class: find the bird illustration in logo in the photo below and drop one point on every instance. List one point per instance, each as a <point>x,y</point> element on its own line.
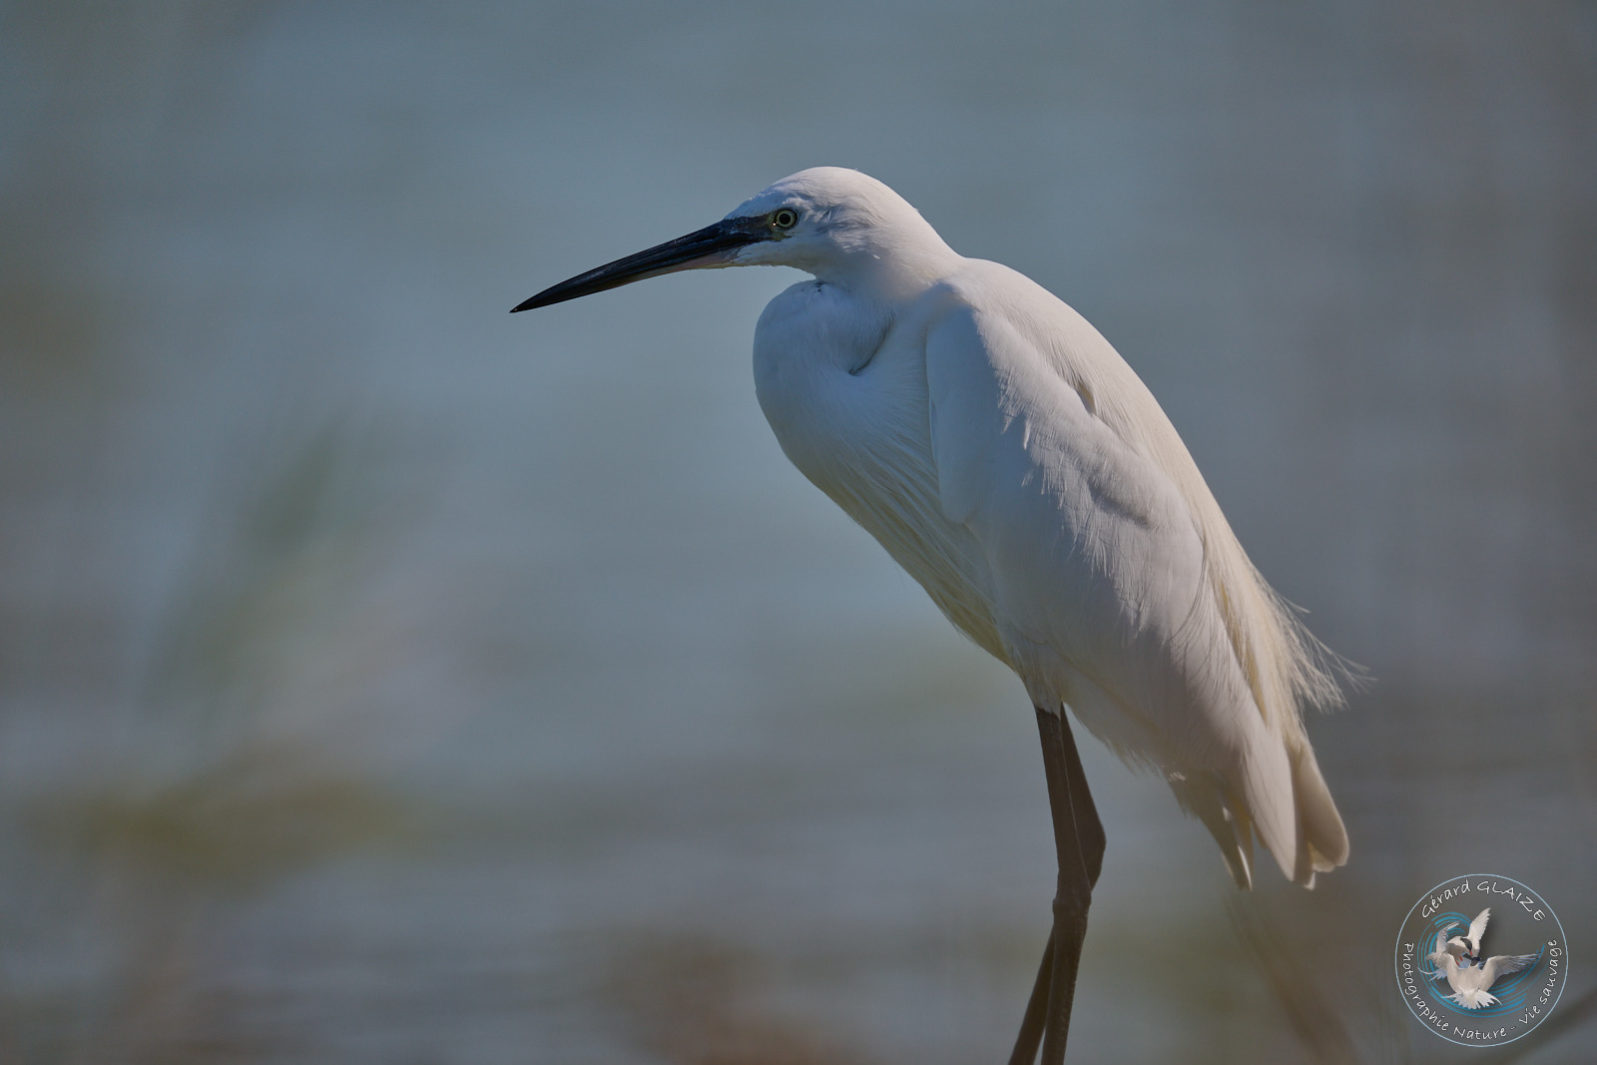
<point>1471,941</point>
<point>1458,960</point>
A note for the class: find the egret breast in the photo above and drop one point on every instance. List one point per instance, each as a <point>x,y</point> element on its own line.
<point>843,384</point>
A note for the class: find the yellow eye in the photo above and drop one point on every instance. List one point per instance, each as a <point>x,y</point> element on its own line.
<point>784,218</point>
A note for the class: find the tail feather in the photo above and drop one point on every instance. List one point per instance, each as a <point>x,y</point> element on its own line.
<point>1202,797</point>
<point>1320,828</point>
<point>1279,794</point>
<point>1267,796</point>
<point>1473,999</point>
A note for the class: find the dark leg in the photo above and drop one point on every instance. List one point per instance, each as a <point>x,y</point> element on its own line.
<point>1079,841</point>
<point>1031,1025</point>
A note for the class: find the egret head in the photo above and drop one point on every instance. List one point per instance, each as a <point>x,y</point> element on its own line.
<point>838,224</point>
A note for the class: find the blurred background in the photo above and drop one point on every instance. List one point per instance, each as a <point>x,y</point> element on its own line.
<point>389,679</point>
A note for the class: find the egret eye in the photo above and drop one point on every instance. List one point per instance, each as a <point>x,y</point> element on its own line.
<point>784,218</point>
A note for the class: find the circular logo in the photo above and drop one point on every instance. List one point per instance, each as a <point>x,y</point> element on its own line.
<point>1481,960</point>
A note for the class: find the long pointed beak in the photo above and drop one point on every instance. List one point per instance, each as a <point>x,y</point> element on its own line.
<point>710,246</point>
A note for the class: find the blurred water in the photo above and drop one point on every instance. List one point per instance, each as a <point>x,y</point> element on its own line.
<point>389,679</point>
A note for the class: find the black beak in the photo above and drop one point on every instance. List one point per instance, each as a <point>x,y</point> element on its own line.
<point>710,246</point>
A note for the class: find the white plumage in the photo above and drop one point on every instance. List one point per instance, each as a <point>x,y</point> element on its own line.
<point>1471,941</point>
<point>1007,457</point>
<point>1471,983</point>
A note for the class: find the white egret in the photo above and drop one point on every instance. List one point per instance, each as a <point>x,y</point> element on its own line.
<point>1005,455</point>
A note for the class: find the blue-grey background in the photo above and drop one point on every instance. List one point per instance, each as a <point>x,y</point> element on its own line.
<point>386,678</point>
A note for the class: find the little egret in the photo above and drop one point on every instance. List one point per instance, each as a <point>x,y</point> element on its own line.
<point>1007,457</point>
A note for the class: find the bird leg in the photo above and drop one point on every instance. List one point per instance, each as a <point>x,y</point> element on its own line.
<point>1035,1020</point>
<point>1079,840</point>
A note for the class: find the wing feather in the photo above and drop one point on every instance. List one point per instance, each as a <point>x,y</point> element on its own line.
<point>1477,929</point>
<point>1103,573</point>
<point>1500,965</point>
